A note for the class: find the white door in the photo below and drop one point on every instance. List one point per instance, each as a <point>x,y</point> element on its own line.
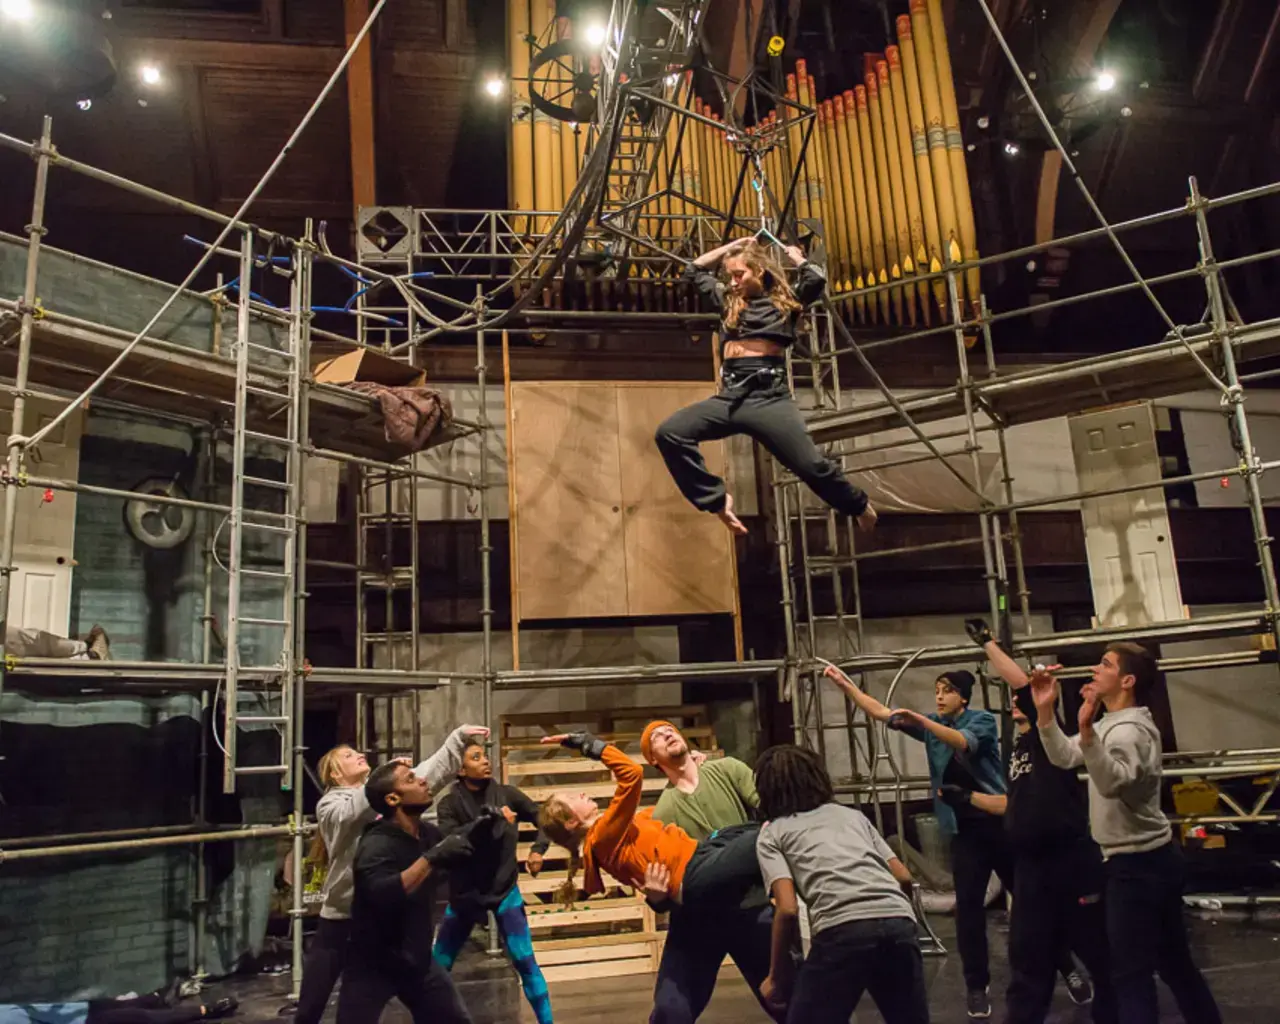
<point>40,595</point>
<point>1132,568</point>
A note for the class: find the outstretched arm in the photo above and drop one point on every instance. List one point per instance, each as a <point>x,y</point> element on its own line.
<point>811,282</point>
<point>1062,750</point>
<point>611,827</point>
<point>1001,663</point>
<point>869,705</point>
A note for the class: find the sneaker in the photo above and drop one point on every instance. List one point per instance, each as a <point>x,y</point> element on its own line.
<point>979,1004</point>
<point>99,644</point>
<point>1079,988</point>
<point>222,1008</point>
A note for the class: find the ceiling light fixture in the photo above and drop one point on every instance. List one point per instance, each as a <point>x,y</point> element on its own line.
<point>17,10</point>
<point>85,104</point>
<point>1105,82</point>
<point>150,74</point>
<point>495,86</point>
<point>1012,149</point>
<point>596,35</point>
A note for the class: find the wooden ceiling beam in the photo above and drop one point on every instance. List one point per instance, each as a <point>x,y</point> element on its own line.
<point>223,53</point>
<point>364,169</point>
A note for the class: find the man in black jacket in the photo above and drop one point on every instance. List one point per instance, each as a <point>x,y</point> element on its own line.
<point>1057,868</point>
<point>391,928</point>
<point>487,881</point>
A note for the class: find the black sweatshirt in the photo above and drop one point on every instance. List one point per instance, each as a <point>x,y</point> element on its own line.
<point>1048,806</point>
<point>391,928</point>
<point>482,882</point>
<point>761,319</point>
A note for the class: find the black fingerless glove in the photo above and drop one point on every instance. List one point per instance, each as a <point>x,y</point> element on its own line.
<point>955,796</point>
<point>450,851</point>
<point>590,746</point>
<point>979,632</point>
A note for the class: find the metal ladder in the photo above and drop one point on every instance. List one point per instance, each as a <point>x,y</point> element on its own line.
<point>261,370</point>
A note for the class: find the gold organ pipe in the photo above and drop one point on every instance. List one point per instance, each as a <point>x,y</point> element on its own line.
<point>521,170</point>
<point>818,147</point>
<point>879,252</point>
<point>893,159</point>
<point>835,192</point>
<point>935,134</point>
<point>813,187</point>
<point>795,139</point>
<point>955,148</point>
<point>866,258</point>
<point>910,184</point>
<point>543,179</point>
<point>723,153</point>
<point>568,141</point>
<point>924,172</point>
<point>845,184</point>
<point>885,194</point>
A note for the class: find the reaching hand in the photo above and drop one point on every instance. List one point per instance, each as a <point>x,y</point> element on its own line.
<point>1088,712</point>
<point>796,254</point>
<point>534,864</point>
<point>657,882</point>
<point>954,796</point>
<point>835,675</point>
<point>1044,689</point>
<point>697,756</point>
<point>476,730</point>
<point>902,718</point>
<point>772,994</point>
<point>979,632</point>
<point>450,851</point>
<point>590,746</point>
<point>510,815</point>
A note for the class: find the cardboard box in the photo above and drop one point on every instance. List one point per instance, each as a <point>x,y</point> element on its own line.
<point>334,363</point>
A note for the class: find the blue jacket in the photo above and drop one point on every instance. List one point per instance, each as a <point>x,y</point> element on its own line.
<point>982,759</point>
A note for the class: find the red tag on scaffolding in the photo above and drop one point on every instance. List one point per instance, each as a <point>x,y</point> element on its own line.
<point>48,496</point>
<point>1225,482</point>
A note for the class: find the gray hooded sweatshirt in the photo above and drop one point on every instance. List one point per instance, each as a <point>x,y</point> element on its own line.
<point>1123,764</point>
<point>343,813</point>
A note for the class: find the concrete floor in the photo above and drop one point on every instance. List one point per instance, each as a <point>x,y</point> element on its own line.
<point>1240,957</point>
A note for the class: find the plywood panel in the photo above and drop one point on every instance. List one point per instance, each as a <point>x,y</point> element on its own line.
<point>679,560</point>
<point>570,560</point>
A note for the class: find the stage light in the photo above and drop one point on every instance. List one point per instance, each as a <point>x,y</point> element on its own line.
<point>595,35</point>
<point>1012,149</point>
<point>85,104</point>
<point>495,86</point>
<point>17,10</point>
<point>150,74</point>
<point>1105,81</point>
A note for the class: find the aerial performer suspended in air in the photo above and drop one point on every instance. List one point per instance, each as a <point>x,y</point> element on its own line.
<point>761,315</point>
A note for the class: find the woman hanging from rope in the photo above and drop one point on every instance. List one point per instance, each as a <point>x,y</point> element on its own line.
<point>662,860</point>
<point>761,316</point>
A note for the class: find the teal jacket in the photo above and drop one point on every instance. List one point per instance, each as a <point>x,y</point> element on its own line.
<point>982,758</point>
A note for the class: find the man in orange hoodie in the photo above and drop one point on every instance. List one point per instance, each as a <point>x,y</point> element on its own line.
<point>704,796</point>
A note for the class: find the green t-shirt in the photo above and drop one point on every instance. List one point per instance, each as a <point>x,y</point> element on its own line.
<point>726,795</point>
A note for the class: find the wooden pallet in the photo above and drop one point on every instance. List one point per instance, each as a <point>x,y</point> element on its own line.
<point>614,933</point>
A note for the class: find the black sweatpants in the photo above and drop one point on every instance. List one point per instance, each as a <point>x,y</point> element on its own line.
<point>696,947</point>
<point>759,406</point>
<point>723,870</point>
<point>142,1010</point>
<point>1057,905</point>
<point>426,992</point>
<point>880,956</point>
<point>1148,934</point>
<point>977,849</point>
<point>326,956</point>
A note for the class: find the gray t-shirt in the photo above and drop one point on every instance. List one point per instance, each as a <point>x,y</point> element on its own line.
<point>839,863</point>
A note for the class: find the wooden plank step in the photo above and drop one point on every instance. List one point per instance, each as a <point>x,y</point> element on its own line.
<point>592,954</point>
<point>579,918</point>
<point>591,941</point>
<point>560,766</point>
<point>550,881</point>
<point>595,790</point>
<point>599,969</point>
<point>619,739</point>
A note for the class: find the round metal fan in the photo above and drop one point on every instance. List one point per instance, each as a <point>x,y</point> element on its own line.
<point>158,526</point>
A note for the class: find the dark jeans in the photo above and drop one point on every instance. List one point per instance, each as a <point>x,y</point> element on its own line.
<point>696,947</point>
<point>1148,934</point>
<point>723,871</point>
<point>142,1010</point>
<point>763,410</point>
<point>880,956</point>
<point>326,956</point>
<point>426,992</point>
<point>977,849</point>
<point>1057,905</point>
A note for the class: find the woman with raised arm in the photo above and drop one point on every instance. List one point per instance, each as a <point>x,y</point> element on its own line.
<point>662,860</point>
<point>341,816</point>
<point>761,315</point>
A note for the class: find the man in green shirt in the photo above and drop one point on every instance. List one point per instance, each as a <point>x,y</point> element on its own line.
<point>702,797</point>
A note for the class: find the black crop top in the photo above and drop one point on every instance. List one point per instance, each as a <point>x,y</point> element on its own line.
<point>761,318</point>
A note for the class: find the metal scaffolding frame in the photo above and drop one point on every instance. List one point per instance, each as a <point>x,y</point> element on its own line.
<point>260,384</point>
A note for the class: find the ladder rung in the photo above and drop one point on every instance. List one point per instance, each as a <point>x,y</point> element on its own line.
<point>383,637</point>
<point>262,769</point>
<point>267,527</point>
<point>263,719</point>
<point>266,574</point>
<point>254,621</point>
<point>262,481</point>
<point>278,353</point>
<point>265,392</point>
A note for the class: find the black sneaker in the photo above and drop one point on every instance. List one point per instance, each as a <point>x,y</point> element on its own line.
<point>979,1004</point>
<point>1079,988</point>
<point>99,644</point>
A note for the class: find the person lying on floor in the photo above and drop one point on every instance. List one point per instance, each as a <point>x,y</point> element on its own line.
<point>36,643</point>
<point>640,852</point>
<point>148,1009</point>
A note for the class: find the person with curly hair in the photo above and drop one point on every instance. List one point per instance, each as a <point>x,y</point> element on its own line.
<point>761,316</point>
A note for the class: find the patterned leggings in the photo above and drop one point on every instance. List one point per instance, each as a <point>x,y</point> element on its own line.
<point>513,926</point>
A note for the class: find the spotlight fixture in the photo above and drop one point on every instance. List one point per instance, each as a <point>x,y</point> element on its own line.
<point>1105,82</point>
<point>1012,149</point>
<point>984,122</point>
<point>85,104</point>
<point>17,10</point>
<point>150,74</point>
<point>495,86</point>
<point>1126,111</point>
<point>595,35</point>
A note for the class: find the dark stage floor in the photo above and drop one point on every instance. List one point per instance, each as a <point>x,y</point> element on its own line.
<point>1240,957</point>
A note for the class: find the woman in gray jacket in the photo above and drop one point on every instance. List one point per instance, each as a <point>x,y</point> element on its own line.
<point>341,815</point>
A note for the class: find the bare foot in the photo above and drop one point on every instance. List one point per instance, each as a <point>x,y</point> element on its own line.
<point>726,516</point>
<point>867,521</point>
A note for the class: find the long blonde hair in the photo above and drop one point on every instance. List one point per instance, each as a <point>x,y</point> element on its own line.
<point>553,819</point>
<point>772,278</point>
<point>327,769</point>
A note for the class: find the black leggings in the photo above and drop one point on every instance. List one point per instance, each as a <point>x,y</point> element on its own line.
<point>326,956</point>
<point>760,407</point>
<point>723,871</point>
<point>977,849</point>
